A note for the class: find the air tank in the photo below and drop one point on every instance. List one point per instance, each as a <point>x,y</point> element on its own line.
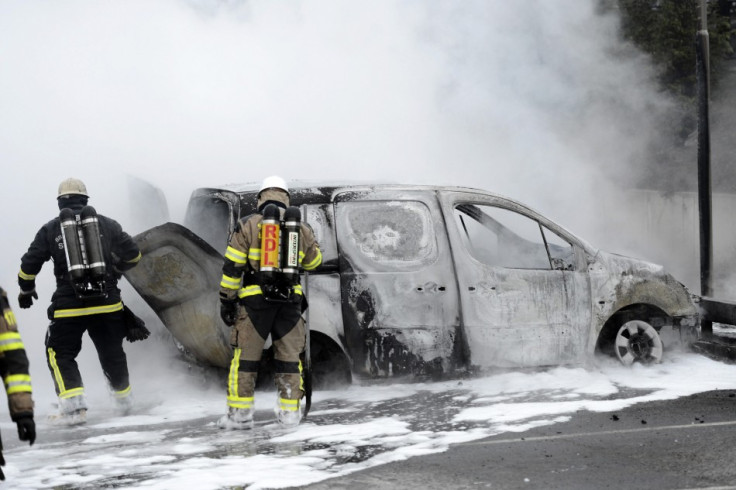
<point>93,244</point>
<point>270,243</point>
<point>72,245</point>
<point>290,238</point>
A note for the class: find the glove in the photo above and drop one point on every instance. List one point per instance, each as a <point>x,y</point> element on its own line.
<point>26,429</point>
<point>229,311</point>
<point>135,327</point>
<point>25,298</point>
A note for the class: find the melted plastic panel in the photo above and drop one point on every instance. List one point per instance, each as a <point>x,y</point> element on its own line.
<point>178,276</point>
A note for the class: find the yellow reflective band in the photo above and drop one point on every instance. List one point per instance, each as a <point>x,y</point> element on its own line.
<point>92,310</point>
<point>26,277</point>
<point>72,393</point>
<point>254,253</point>
<point>314,263</point>
<point>239,402</point>
<point>301,376</point>
<point>232,379</point>
<point>122,393</point>
<point>9,317</point>
<point>249,291</point>
<point>235,255</point>
<point>230,282</point>
<point>135,260</point>
<point>55,370</point>
<point>298,289</point>
<point>288,405</point>
<point>10,341</point>
<point>18,383</point>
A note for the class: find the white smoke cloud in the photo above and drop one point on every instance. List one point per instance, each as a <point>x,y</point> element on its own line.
<point>533,100</point>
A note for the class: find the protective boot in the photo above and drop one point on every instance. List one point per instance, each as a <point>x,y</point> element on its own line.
<point>124,405</point>
<point>72,411</point>
<point>288,413</point>
<point>237,419</point>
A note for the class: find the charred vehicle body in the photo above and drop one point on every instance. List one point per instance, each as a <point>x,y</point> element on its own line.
<point>423,280</point>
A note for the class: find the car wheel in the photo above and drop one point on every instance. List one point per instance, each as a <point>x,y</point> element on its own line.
<point>637,341</point>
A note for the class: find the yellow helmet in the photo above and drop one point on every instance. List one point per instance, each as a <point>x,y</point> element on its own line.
<point>72,186</point>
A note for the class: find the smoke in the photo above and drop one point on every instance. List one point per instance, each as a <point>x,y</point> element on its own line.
<point>528,99</point>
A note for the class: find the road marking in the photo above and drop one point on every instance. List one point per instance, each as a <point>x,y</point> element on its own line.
<point>605,432</point>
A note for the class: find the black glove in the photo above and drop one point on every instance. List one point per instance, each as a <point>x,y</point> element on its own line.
<point>229,311</point>
<point>26,429</point>
<point>135,327</point>
<point>25,298</point>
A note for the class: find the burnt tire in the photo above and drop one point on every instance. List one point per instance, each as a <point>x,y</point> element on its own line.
<point>638,341</point>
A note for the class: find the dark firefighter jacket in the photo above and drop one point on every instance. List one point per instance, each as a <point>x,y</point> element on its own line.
<point>120,251</point>
<point>14,364</point>
<point>244,252</point>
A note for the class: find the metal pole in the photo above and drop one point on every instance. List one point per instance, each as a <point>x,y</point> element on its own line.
<point>704,175</point>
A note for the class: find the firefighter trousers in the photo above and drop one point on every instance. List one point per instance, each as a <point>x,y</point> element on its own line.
<point>64,342</point>
<point>256,320</point>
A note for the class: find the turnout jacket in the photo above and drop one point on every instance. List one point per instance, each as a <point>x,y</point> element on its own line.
<point>14,364</point>
<point>243,254</point>
<point>121,254</point>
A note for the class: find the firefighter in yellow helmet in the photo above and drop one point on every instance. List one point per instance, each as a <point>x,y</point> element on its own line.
<point>14,371</point>
<point>261,296</point>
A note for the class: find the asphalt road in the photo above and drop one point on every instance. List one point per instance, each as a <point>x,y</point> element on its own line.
<point>679,444</point>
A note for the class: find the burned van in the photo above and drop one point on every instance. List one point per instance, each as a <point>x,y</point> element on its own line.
<point>423,280</point>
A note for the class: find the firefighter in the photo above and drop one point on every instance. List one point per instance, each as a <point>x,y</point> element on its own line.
<point>257,301</point>
<point>14,370</point>
<point>86,297</point>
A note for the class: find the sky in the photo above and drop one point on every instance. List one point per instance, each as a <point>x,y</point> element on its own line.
<point>526,99</point>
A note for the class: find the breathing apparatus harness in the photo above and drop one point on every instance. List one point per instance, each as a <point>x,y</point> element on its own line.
<point>278,273</point>
<point>84,253</point>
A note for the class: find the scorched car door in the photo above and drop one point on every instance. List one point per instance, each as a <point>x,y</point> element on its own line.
<point>523,301</point>
<point>399,295</point>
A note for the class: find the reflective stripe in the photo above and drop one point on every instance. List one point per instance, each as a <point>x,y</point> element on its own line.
<point>26,277</point>
<point>229,282</point>
<point>63,392</point>
<point>298,289</point>
<point>134,260</point>
<point>254,253</point>
<point>92,310</point>
<point>122,393</point>
<point>10,341</point>
<point>251,290</point>
<point>235,255</point>
<point>18,383</point>
<point>240,402</point>
<point>301,376</point>
<point>72,393</point>
<point>9,317</point>
<point>232,379</point>
<point>314,263</point>
<point>288,405</point>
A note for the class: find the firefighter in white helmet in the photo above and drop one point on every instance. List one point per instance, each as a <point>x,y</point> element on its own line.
<point>261,296</point>
<point>89,252</point>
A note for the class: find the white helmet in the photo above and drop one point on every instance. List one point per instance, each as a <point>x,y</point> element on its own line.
<point>274,182</point>
<point>72,186</point>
